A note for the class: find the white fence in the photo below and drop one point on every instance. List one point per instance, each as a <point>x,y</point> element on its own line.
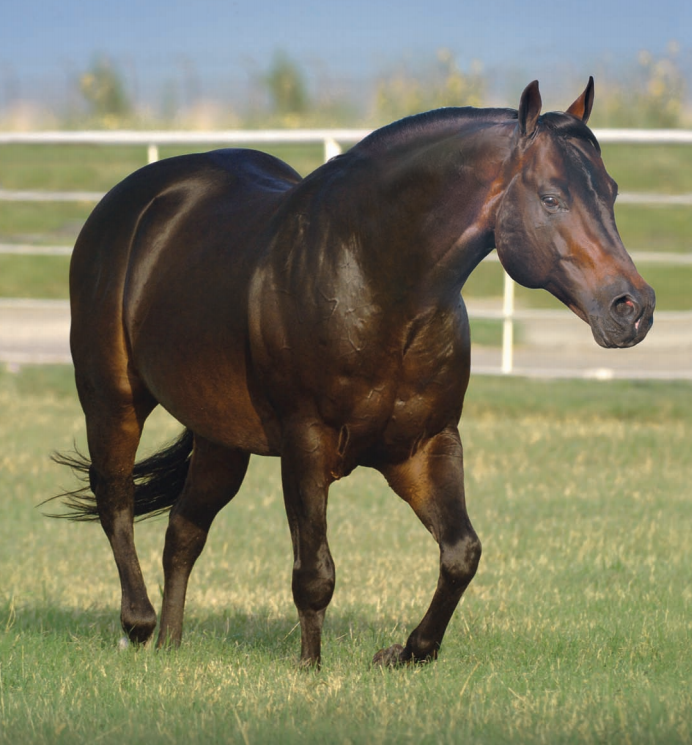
<point>332,141</point>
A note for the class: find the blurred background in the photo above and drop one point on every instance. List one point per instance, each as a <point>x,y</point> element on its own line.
<point>222,63</point>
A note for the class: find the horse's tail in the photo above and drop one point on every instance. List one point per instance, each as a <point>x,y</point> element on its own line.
<point>159,480</point>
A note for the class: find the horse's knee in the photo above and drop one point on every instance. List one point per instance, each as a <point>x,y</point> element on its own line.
<point>460,560</point>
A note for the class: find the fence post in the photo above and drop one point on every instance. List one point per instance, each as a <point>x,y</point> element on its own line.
<point>152,153</point>
<point>331,148</point>
<point>508,326</point>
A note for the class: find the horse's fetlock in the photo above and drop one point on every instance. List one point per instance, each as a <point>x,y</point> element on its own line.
<point>420,648</point>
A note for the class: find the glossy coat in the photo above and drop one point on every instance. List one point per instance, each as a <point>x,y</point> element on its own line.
<point>320,320</point>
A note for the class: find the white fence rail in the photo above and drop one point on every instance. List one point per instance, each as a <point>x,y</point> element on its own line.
<point>331,141</point>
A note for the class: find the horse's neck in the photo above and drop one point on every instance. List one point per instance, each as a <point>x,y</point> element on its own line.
<point>432,201</point>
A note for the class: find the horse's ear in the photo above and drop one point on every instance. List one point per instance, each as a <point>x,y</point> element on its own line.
<point>529,109</point>
<point>581,108</point>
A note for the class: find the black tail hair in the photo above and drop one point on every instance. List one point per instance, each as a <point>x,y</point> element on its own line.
<point>159,480</point>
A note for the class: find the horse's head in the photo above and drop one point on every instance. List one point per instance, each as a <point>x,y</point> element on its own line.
<point>556,229</point>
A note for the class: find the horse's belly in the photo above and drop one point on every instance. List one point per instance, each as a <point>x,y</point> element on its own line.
<point>224,414</point>
<point>204,382</point>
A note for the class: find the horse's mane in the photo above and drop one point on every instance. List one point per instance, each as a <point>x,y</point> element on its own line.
<point>432,122</point>
<point>449,120</point>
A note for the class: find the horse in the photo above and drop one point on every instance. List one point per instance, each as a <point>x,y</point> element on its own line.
<point>320,320</point>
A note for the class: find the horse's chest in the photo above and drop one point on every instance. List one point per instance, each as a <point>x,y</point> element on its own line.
<point>428,396</point>
<point>380,375</point>
<point>418,393</point>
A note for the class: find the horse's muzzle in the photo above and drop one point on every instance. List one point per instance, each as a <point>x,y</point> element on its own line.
<point>627,319</point>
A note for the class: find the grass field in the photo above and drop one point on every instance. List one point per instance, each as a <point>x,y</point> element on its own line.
<point>577,628</point>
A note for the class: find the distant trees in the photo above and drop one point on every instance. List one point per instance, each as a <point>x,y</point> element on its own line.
<point>652,92</point>
<point>286,85</point>
<point>443,84</point>
<point>104,92</point>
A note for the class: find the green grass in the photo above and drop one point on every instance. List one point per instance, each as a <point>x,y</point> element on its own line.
<point>664,228</point>
<point>42,223</point>
<point>664,169</point>
<point>576,629</point>
<point>659,169</point>
<point>43,277</point>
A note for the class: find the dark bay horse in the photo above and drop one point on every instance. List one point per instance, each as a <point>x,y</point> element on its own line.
<point>320,320</point>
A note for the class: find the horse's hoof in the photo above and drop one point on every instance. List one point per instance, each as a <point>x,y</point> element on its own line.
<point>139,637</point>
<point>139,629</point>
<point>393,656</point>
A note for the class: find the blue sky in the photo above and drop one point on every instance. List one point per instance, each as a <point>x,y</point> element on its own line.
<point>215,44</point>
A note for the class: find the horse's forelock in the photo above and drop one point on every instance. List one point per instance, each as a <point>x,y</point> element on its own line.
<point>565,125</point>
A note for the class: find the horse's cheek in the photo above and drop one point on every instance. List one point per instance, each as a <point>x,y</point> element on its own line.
<point>512,244</point>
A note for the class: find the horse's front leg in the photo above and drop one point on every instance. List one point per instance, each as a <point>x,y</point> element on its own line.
<point>307,452</point>
<point>432,482</point>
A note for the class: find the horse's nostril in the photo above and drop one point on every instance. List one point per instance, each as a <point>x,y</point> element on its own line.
<point>625,307</point>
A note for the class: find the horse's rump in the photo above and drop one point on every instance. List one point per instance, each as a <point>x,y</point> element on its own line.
<point>160,273</point>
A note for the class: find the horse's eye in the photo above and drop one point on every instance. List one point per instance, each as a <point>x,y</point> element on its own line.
<point>551,203</point>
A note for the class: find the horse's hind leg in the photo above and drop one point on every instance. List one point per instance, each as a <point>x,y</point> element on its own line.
<point>214,478</point>
<point>432,482</point>
<point>114,421</point>
<point>306,461</point>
